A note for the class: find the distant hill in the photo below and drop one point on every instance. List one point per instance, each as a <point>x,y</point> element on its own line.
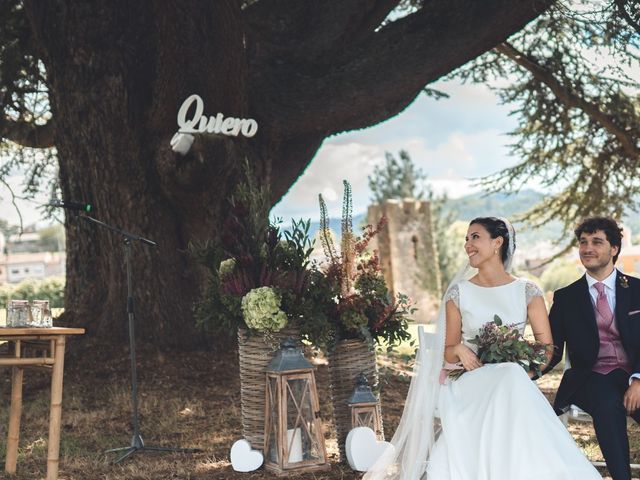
<point>476,205</point>
<point>501,205</point>
<point>495,204</point>
<point>509,206</point>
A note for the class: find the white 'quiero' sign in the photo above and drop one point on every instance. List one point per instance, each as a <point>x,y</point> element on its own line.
<point>198,123</point>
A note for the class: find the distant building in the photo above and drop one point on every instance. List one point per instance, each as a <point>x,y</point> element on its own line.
<point>19,266</point>
<point>629,259</point>
<point>407,251</point>
<point>27,241</point>
<point>535,259</point>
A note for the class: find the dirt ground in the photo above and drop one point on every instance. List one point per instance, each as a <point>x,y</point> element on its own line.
<point>187,400</point>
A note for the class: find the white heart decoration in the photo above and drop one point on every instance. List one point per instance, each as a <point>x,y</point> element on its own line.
<point>243,459</point>
<point>181,143</point>
<point>363,448</point>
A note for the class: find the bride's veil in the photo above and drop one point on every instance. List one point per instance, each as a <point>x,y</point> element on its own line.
<point>416,435</point>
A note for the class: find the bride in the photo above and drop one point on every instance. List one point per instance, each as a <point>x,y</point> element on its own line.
<point>495,422</point>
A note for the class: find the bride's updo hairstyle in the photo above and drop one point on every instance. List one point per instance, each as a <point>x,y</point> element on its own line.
<point>497,228</point>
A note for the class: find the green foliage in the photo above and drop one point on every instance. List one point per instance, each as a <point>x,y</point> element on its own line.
<point>260,277</point>
<point>358,303</point>
<point>396,179</point>
<point>23,98</point>
<point>559,273</point>
<point>573,91</point>
<point>51,289</point>
<point>52,238</point>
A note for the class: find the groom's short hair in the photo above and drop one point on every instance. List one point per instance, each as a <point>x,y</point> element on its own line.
<point>607,225</point>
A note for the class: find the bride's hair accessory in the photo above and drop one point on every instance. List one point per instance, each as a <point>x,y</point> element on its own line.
<point>512,243</point>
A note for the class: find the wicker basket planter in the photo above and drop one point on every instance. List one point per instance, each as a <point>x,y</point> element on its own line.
<point>256,351</point>
<point>348,359</point>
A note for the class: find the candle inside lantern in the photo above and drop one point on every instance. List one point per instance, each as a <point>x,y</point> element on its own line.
<point>295,453</point>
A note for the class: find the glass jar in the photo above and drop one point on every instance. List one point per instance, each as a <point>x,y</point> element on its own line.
<point>18,313</point>
<point>41,314</point>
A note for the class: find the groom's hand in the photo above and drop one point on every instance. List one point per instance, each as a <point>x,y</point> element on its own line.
<point>632,396</point>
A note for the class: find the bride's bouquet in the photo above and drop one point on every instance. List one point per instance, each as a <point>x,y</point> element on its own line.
<point>499,343</point>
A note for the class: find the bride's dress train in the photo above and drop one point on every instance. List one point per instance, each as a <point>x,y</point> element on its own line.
<point>496,424</point>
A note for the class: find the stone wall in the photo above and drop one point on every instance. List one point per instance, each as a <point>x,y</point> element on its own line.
<point>408,254</point>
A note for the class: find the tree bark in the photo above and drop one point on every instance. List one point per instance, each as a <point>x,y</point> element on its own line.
<point>118,72</point>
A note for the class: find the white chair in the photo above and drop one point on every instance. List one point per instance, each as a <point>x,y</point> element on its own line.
<point>576,413</point>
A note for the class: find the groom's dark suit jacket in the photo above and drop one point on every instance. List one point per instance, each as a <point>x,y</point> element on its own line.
<point>573,321</point>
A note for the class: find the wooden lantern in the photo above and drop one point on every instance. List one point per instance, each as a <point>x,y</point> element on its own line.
<point>293,438</point>
<point>365,409</point>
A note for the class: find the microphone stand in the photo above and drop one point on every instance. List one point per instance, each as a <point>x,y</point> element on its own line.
<point>137,444</point>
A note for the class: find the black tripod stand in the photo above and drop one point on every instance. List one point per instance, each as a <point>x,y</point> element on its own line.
<point>137,444</point>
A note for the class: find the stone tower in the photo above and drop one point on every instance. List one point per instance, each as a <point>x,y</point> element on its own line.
<point>408,255</point>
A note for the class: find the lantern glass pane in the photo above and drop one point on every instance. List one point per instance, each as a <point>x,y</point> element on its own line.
<point>365,419</point>
<point>271,452</point>
<point>302,436</point>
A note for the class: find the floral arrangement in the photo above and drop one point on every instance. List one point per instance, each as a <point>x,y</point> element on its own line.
<point>261,277</point>
<point>261,310</point>
<point>359,303</point>
<point>499,343</point>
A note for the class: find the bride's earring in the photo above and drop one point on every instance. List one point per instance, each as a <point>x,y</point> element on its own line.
<point>495,252</point>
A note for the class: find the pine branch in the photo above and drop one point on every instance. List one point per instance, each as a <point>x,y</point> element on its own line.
<point>626,16</point>
<point>570,98</point>
<point>28,134</point>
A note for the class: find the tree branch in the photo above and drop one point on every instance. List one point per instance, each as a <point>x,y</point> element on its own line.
<point>570,98</point>
<point>27,134</point>
<point>362,83</point>
<point>627,17</point>
<point>307,29</point>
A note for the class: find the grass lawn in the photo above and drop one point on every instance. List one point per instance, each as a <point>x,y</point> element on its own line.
<point>187,399</point>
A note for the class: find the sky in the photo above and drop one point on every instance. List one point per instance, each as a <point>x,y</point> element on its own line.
<point>453,140</point>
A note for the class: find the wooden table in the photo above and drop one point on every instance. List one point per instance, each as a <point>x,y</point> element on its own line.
<point>51,344</point>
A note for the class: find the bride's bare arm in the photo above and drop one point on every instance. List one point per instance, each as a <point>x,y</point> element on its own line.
<point>537,313</point>
<point>454,350</point>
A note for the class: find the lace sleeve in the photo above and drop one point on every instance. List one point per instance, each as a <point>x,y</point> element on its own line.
<point>532,290</point>
<point>453,294</point>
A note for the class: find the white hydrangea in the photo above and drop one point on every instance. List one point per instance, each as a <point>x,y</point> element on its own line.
<point>261,310</point>
<point>226,267</point>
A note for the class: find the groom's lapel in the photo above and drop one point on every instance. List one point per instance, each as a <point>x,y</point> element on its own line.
<point>623,300</point>
<point>586,306</point>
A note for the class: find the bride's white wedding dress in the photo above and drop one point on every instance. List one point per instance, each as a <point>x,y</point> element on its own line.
<point>496,424</point>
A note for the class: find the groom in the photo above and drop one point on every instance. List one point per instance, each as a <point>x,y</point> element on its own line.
<point>598,318</point>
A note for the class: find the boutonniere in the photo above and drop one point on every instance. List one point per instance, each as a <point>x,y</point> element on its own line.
<point>624,283</point>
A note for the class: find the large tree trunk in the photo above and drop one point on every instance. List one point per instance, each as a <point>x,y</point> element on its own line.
<point>118,72</point>
<point>116,85</point>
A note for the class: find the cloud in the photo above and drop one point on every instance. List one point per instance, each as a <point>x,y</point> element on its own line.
<point>333,163</point>
<point>452,140</point>
<point>450,164</point>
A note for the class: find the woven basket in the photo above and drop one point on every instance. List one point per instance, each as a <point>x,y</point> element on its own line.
<point>256,351</point>
<point>347,360</point>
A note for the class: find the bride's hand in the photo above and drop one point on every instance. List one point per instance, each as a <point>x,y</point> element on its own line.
<point>468,358</point>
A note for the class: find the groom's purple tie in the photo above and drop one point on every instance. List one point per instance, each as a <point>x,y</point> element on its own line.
<point>602,304</point>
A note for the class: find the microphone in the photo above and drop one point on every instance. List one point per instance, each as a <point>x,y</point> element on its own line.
<point>75,206</point>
